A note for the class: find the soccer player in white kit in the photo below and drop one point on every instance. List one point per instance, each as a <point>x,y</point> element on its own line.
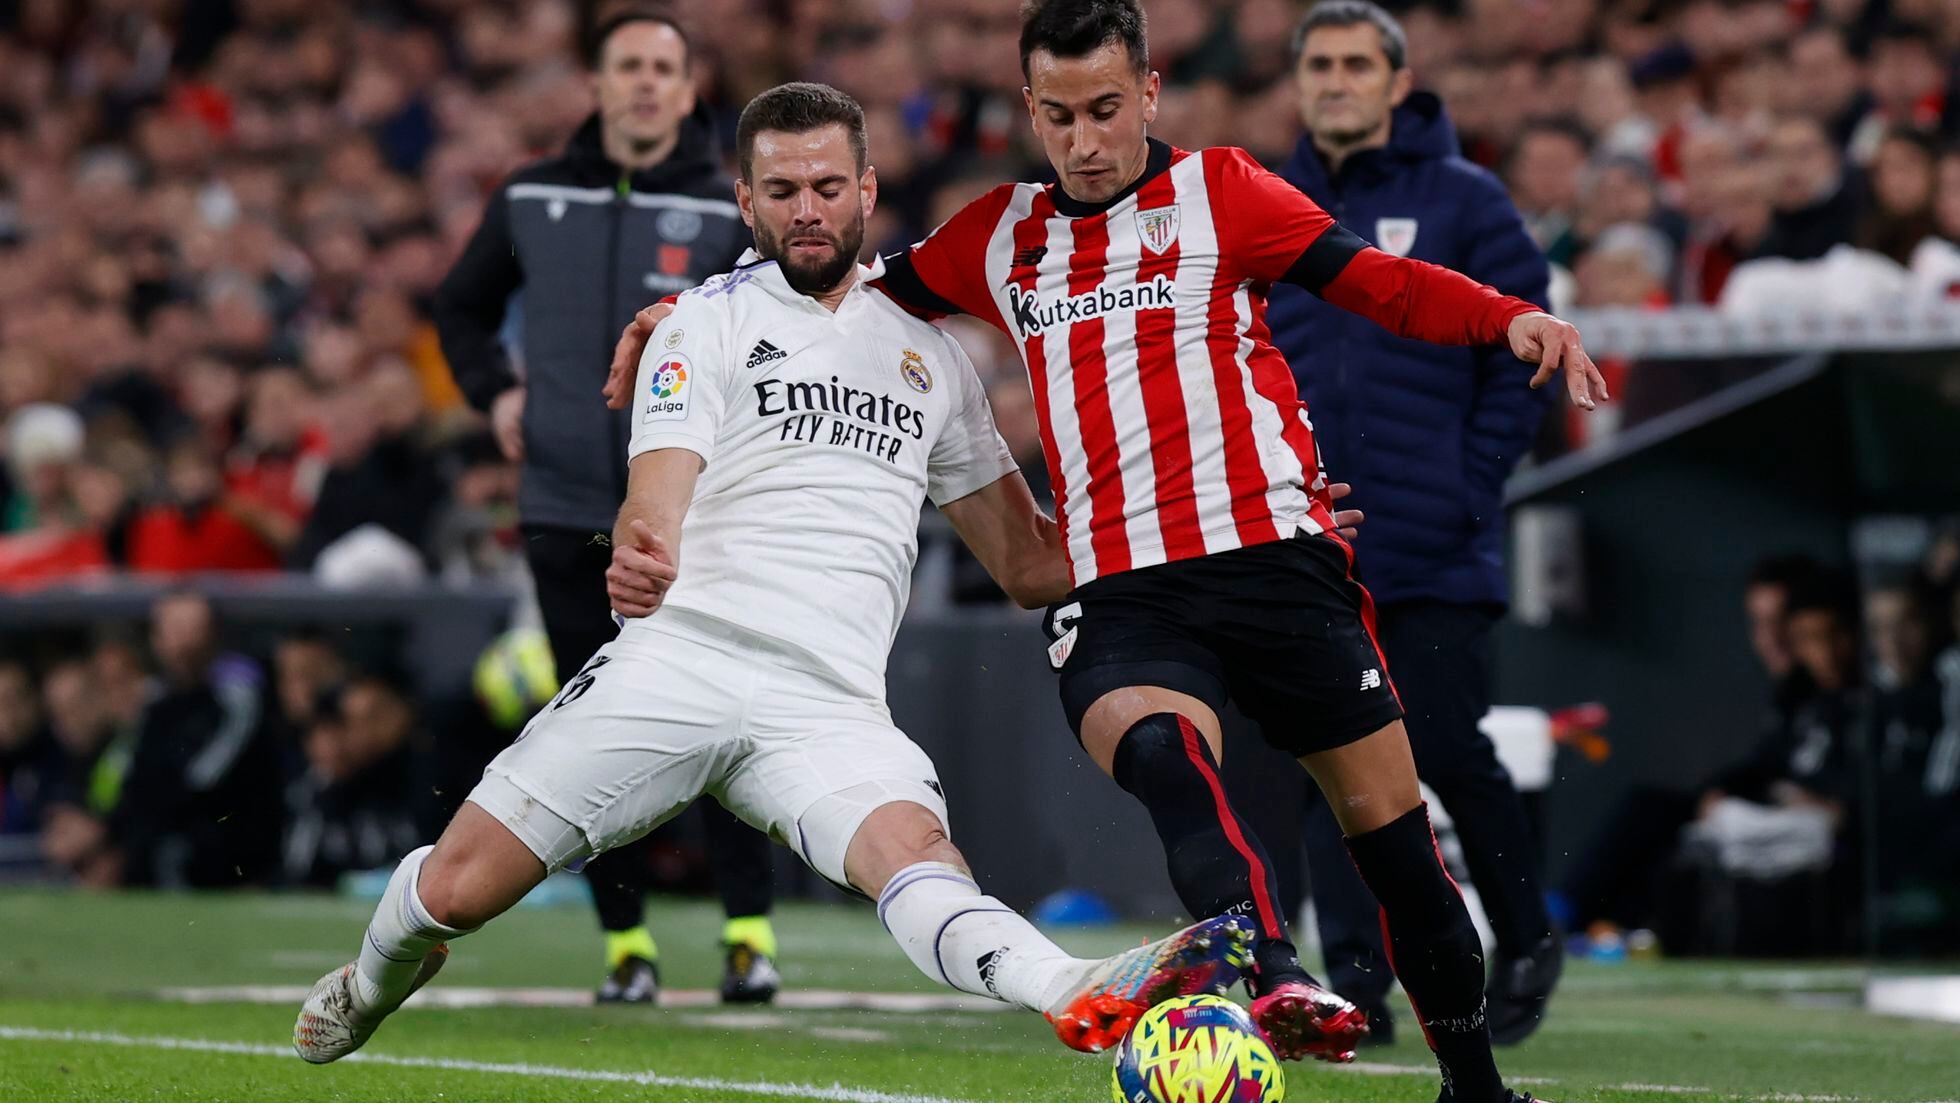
<point>789,422</point>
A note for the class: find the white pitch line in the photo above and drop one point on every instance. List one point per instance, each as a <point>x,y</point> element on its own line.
<point>1380,1068</point>
<point>836,1092</point>
<point>450,997</point>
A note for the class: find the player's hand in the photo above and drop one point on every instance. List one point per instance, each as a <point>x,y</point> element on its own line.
<point>507,423</point>
<point>626,354</point>
<point>1553,345</point>
<point>1345,520</point>
<point>641,572</point>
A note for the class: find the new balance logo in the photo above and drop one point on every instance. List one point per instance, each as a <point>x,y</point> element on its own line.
<point>763,353</point>
<point>1029,257</point>
<point>1371,679</point>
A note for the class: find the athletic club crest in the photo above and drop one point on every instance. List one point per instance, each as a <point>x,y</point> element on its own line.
<point>1158,227</point>
<point>1395,236</point>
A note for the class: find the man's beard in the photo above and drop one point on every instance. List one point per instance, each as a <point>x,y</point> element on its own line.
<point>814,277</point>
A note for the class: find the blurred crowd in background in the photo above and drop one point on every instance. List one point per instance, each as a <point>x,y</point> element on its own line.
<point>221,221</point>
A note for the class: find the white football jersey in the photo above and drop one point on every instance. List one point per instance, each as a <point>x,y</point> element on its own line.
<point>822,433</point>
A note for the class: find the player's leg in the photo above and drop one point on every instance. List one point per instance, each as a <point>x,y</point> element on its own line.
<point>1441,656</point>
<point>599,767</point>
<point>1163,747</point>
<point>744,872</point>
<point>1142,690</point>
<point>1431,941</point>
<point>568,568</point>
<point>861,804</point>
<point>928,900</point>
<point>476,871</point>
<point>1349,922</point>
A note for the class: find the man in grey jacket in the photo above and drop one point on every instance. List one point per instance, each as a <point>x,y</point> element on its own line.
<point>635,207</point>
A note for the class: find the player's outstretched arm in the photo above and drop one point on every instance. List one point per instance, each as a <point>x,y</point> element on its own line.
<point>647,535</point>
<point>1017,543</point>
<point>1413,298</point>
<point>1275,233</point>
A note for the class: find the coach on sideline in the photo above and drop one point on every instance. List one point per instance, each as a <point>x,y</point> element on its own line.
<point>1427,435</point>
<point>636,208</point>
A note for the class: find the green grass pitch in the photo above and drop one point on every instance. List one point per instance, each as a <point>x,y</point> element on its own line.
<point>81,1018</point>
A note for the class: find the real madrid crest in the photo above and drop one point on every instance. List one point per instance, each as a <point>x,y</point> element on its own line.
<point>913,367</point>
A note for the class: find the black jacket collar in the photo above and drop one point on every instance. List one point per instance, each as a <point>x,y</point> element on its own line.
<point>1158,162</point>
<point>694,155</point>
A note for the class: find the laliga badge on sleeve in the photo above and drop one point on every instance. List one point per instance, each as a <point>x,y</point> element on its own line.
<point>667,392</point>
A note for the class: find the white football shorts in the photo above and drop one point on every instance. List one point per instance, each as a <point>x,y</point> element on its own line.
<point>686,706</point>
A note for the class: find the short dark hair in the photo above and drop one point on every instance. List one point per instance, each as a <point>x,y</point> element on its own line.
<point>1353,13</point>
<point>1078,28</point>
<point>1827,591</point>
<point>1788,573</point>
<point>595,43</point>
<point>798,108</point>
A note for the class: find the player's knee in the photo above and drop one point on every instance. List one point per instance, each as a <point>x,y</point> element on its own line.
<point>896,835</point>
<point>442,886</point>
<point>1160,756</point>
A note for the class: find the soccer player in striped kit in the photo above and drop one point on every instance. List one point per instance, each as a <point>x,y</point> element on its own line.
<point>1204,557</point>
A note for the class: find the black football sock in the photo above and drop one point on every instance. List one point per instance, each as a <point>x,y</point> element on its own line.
<point>1433,948</point>
<point>1216,863</point>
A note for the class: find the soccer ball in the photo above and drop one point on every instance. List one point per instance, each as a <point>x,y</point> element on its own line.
<point>1197,1049</point>
<point>515,677</point>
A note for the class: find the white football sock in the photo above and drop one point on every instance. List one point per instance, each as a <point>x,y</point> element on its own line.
<point>399,936</point>
<point>956,934</point>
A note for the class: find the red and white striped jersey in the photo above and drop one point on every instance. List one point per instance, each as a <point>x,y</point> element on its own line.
<point>1170,423</point>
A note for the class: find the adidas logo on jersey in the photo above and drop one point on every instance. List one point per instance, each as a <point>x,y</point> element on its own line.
<point>763,353</point>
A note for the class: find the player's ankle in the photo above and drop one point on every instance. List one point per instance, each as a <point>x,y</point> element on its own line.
<point>753,931</point>
<point>633,942</point>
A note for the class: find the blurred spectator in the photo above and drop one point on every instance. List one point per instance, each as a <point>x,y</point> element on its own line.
<point>1813,202</point>
<point>44,442</point>
<point>1901,211</point>
<point>84,790</point>
<point>197,527</point>
<point>1627,266</point>
<point>1831,80</point>
<point>384,480</point>
<point>1907,79</point>
<point>27,756</point>
<point>367,796</point>
<point>199,804</point>
<point>1804,632</point>
<point>1544,177</point>
<point>304,666</point>
<point>1727,207</point>
<point>1936,261</point>
<point>476,537</point>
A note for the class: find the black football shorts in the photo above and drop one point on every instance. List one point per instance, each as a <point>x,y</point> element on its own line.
<point>1281,628</point>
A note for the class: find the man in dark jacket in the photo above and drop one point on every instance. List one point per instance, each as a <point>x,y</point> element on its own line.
<point>636,207</point>
<point>199,804</point>
<point>1427,435</point>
